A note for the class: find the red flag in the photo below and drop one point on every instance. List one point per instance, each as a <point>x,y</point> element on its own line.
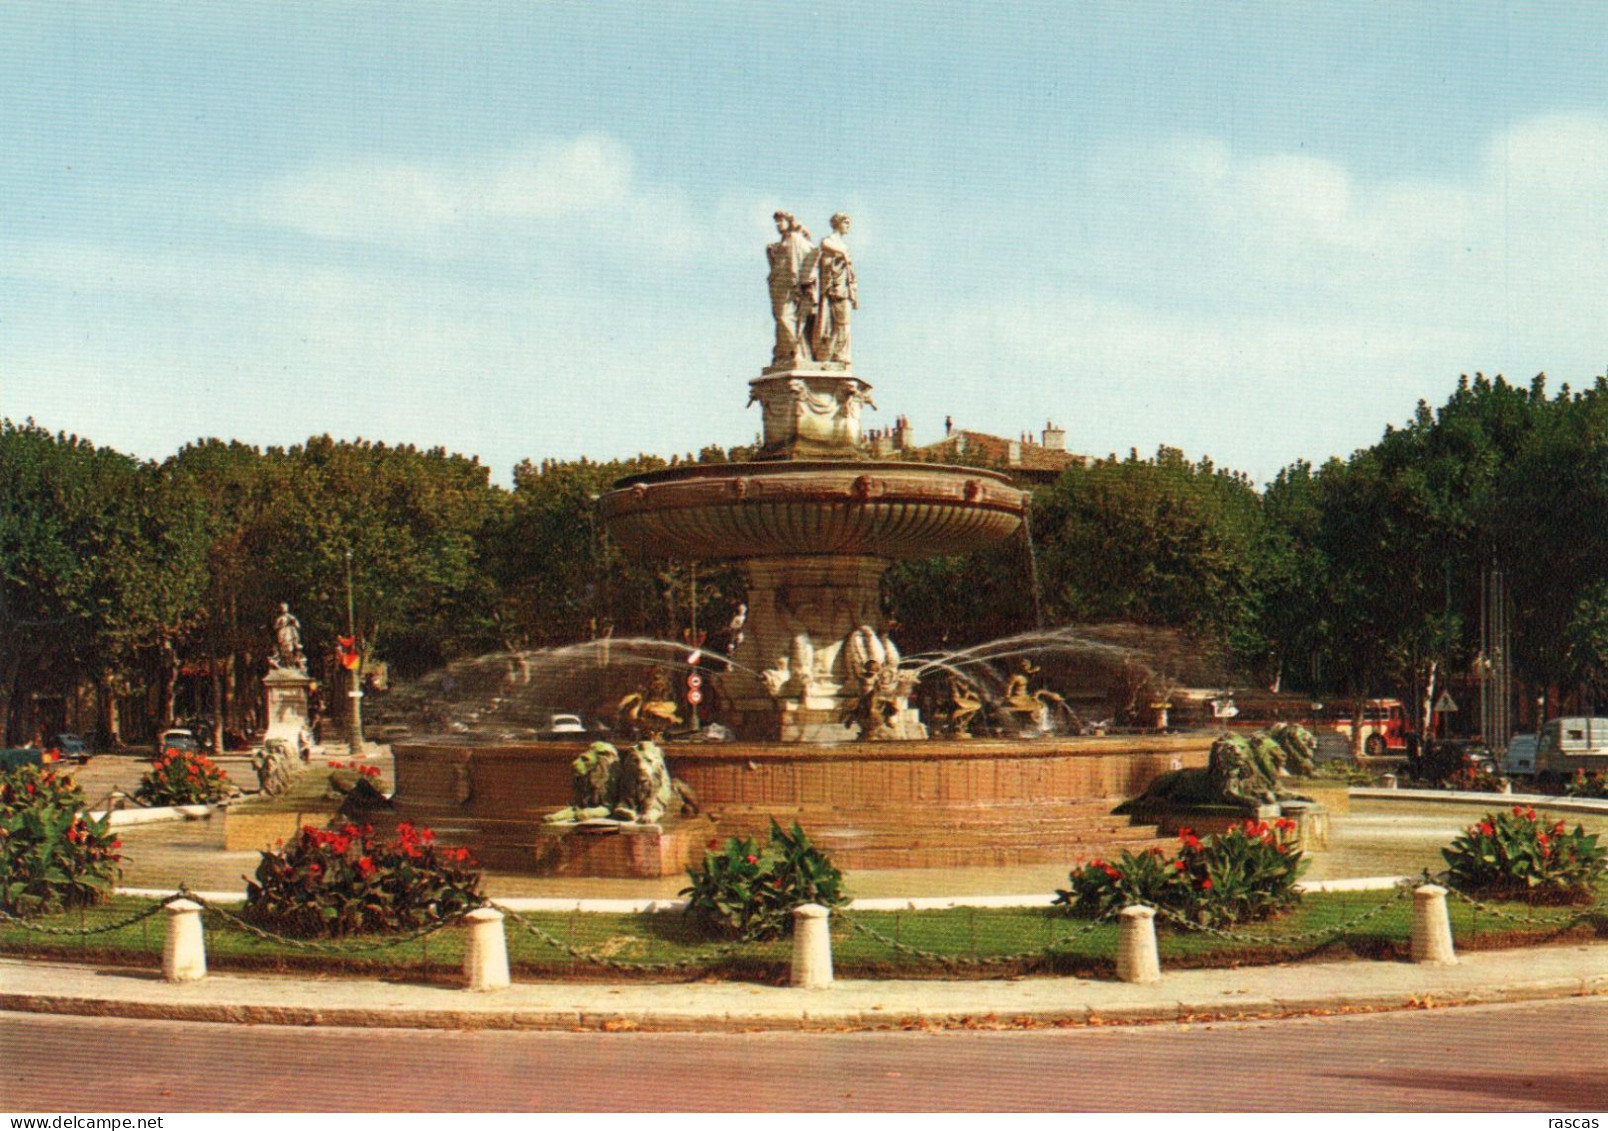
<point>346,652</point>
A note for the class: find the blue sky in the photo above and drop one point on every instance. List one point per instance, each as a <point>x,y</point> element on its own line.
<point>1255,232</point>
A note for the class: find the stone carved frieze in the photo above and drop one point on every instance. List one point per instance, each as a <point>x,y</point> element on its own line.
<point>813,408</point>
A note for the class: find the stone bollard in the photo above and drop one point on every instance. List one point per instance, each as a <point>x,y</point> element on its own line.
<point>184,951</point>
<point>1432,928</point>
<point>812,947</point>
<point>485,955</point>
<point>1388,781</point>
<point>1137,958</point>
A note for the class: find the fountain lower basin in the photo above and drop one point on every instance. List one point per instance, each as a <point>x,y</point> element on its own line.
<point>932,804</point>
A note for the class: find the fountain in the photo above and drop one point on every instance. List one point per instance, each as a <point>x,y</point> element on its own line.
<point>818,694</point>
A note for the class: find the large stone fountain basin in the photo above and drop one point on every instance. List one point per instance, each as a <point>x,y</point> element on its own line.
<point>934,804</point>
<point>750,510</point>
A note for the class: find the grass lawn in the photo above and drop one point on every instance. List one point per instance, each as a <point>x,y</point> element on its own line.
<point>1371,925</point>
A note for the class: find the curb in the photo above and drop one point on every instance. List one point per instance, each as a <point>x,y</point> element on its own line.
<point>1552,802</point>
<point>815,1018</point>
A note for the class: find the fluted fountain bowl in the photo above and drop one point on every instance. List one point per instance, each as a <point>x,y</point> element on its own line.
<point>752,510</point>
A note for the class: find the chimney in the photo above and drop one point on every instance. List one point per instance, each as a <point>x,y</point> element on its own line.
<point>1013,453</point>
<point>1054,438</point>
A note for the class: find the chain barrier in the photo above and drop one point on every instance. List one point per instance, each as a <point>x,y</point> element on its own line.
<point>975,961</point>
<point>608,963</point>
<point>85,932</point>
<point>238,923</point>
<point>1566,919</point>
<point>388,943</point>
<point>1402,889</point>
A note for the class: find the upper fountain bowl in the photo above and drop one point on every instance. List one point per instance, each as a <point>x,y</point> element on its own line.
<point>755,510</point>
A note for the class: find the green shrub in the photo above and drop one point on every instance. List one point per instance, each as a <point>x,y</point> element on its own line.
<point>52,854</point>
<point>346,882</point>
<point>744,891</point>
<point>1246,873</point>
<point>1594,784</point>
<point>1516,854</point>
<point>1341,771</point>
<point>182,777</point>
<point>1471,779</point>
<point>1099,888</point>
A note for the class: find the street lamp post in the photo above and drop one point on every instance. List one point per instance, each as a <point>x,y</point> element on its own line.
<point>354,695</point>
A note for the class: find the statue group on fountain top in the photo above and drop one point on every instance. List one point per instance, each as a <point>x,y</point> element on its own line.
<point>812,290</point>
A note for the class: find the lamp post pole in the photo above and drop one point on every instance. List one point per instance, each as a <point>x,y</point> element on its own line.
<point>354,694</point>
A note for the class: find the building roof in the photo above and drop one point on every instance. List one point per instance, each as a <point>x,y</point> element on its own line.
<point>1022,458</point>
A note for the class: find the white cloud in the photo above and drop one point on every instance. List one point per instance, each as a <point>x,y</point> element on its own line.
<point>1256,307</point>
<point>582,189</point>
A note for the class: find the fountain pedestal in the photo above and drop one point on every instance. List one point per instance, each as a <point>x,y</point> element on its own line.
<point>809,411</point>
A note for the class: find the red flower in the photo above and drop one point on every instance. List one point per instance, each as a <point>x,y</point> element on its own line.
<point>1486,829</point>
<point>1206,884</point>
<point>365,866</point>
<point>712,845</point>
<point>753,859</point>
<point>1179,864</point>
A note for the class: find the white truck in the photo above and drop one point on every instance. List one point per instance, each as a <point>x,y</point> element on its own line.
<point>1569,744</point>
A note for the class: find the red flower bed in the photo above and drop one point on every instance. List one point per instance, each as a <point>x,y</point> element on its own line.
<point>346,881</point>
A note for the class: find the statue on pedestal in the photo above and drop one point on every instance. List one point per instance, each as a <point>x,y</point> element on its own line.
<point>812,290</point>
<point>288,654</point>
<point>792,289</point>
<point>837,292</point>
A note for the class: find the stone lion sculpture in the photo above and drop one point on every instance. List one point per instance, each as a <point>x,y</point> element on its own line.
<point>643,790</point>
<point>633,787</point>
<point>1242,771</point>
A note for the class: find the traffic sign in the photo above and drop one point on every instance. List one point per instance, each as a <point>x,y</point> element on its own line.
<point>694,681</point>
<point>1445,705</point>
<point>695,696</point>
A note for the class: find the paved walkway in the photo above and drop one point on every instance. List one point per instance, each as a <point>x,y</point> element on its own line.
<point>1269,991</point>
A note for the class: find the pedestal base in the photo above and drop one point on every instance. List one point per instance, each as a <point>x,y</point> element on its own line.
<point>1311,820</point>
<point>810,411</point>
<point>630,851</point>
<point>286,693</point>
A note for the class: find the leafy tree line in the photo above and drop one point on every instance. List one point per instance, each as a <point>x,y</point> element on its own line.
<point>1355,576</point>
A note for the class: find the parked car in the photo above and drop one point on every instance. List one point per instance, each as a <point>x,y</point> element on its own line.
<point>73,747</point>
<point>1440,759</point>
<point>1520,757</point>
<point>176,740</point>
<point>13,757</point>
<point>571,728</point>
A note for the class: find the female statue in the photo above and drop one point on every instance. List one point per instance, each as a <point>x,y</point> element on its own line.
<point>836,294</point>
